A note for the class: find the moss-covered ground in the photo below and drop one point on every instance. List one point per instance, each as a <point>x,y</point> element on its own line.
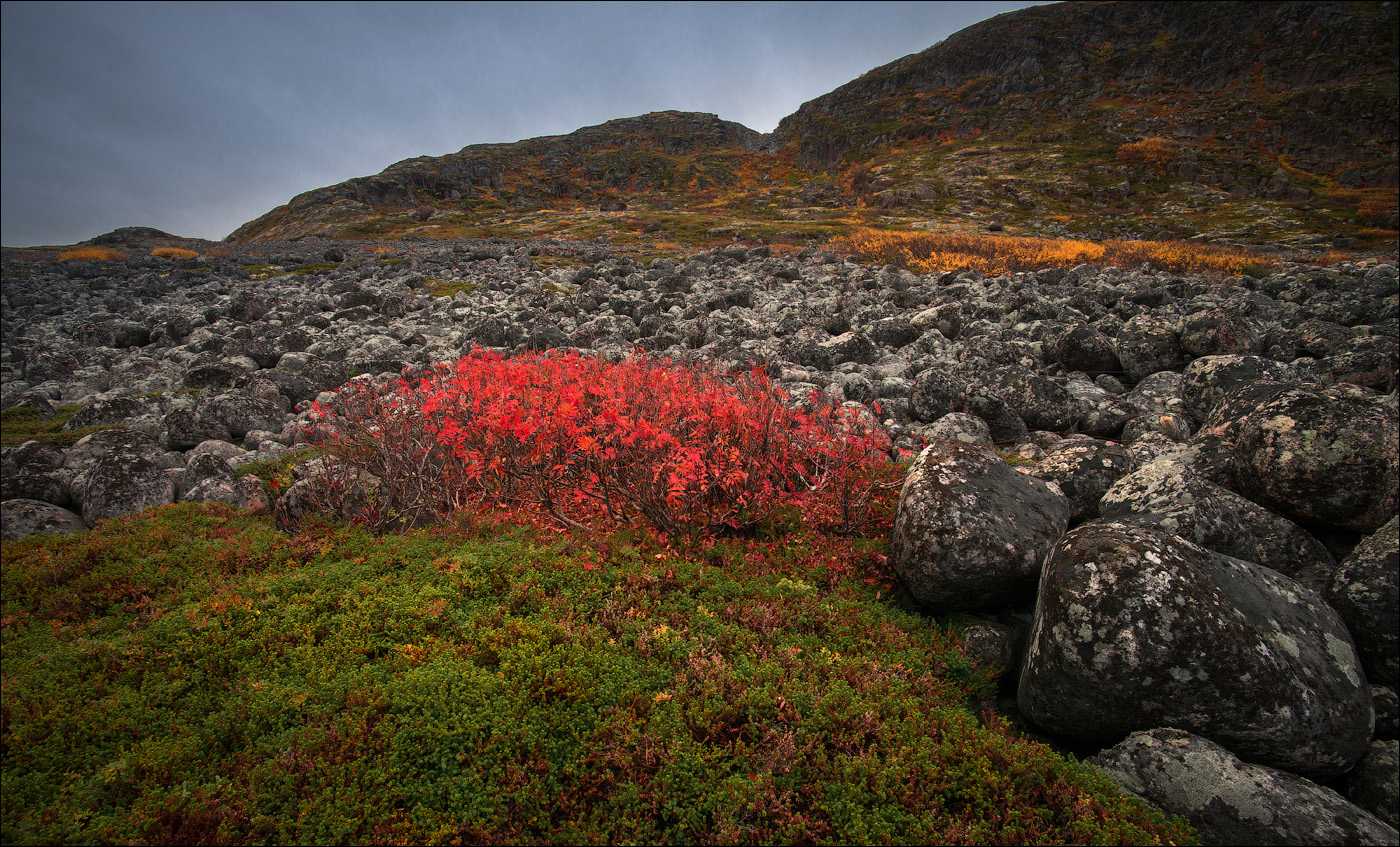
<point>193,675</point>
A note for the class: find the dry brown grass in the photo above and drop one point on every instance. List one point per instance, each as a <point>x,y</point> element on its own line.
<point>173,253</point>
<point>91,254</point>
<point>1154,150</point>
<point>931,252</point>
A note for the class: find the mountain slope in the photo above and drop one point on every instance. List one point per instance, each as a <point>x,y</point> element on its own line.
<point>1258,123</point>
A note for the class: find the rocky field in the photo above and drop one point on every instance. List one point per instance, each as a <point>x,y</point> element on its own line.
<point>1165,506</point>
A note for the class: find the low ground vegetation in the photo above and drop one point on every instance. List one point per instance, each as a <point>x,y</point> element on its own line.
<point>193,675</point>
<point>931,252</point>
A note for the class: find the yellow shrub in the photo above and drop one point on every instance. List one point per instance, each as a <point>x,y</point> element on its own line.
<point>173,253</point>
<point>91,254</point>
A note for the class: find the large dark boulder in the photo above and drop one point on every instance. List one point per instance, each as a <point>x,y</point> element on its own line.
<point>1084,469</point>
<point>1169,494</point>
<point>1233,802</point>
<point>938,392</point>
<point>1085,348</point>
<point>1375,783</point>
<point>1136,628</point>
<point>20,517</point>
<point>1209,379</point>
<point>1322,456</point>
<point>970,532</point>
<point>1149,344</point>
<point>1365,590</point>
<point>128,478</point>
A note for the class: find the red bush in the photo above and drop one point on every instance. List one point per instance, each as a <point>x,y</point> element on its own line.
<point>584,442</point>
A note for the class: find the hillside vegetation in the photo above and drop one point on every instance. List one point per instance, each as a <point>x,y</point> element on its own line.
<point>1089,120</point>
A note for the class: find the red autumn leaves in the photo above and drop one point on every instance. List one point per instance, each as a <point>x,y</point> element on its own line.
<point>586,442</point>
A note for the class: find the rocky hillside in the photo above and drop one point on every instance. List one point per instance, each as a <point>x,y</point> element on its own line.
<point>1268,123</point>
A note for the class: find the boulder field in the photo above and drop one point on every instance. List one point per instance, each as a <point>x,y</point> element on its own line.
<point>1168,501</point>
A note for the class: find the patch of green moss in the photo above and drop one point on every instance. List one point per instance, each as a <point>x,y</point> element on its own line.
<point>193,675</point>
<point>439,287</point>
<point>18,425</point>
<point>314,268</point>
<point>257,271</point>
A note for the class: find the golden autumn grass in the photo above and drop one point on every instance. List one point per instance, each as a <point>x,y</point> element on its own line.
<point>91,254</point>
<point>931,252</point>
<point>173,253</point>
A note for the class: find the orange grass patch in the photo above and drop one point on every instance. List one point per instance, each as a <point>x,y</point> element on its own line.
<point>91,254</point>
<point>173,253</point>
<point>931,252</point>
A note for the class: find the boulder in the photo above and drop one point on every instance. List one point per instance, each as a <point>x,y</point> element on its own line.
<point>1085,348</point>
<point>1136,628</point>
<point>1365,590</point>
<point>1084,469</point>
<point>1209,379</point>
<point>1149,344</point>
<point>1232,802</point>
<point>123,481</point>
<point>970,532</point>
<point>1375,784</point>
<point>1323,456</point>
<point>20,517</point>
<point>1169,494</point>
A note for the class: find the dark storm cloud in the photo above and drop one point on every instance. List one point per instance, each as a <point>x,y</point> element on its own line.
<point>194,118</point>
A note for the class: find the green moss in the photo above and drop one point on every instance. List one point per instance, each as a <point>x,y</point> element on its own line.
<point>191,674</point>
<point>261,271</point>
<point>19,425</point>
<point>439,287</point>
<point>314,268</point>
<point>276,473</point>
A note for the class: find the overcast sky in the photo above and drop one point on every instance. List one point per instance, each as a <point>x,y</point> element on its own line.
<point>195,118</point>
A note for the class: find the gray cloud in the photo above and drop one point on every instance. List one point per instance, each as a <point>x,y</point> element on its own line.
<point>194,118</point>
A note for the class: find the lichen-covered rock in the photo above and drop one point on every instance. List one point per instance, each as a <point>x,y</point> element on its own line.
<point>958,426</point>
<point>1375,783</point>
<point>125,480</point>
<point>1233,802</point>
<point>1320,455</point>
<point>938,391</point>
<point>1168,494</point>
<point>970,532</point>
<point>1213,332</point>
<point>187,427</point>
<point>1149,344</point>
<point>1365,590</point>
<point>1136,628</point>
<point>1174,427</point>
<point>1084,469</point>
<point>1085,348</point>
<point>1386,704</point>
<point>244,492</point>
<point>20,517</point>
<point>1209,379</point>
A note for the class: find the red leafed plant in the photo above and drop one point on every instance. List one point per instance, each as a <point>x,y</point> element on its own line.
<point>585,442</point>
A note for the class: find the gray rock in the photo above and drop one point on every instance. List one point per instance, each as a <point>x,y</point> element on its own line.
<point>1209,379</point>
<point>20,518</point>
<point>970,532</point>
<point>1135,628</point>
<point>1232,802</point>
<point>1084,469</point>
<point>1375,784</point>
<point>1168,494</point>
<point>1319,455</point>
<point>1365,590</point>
